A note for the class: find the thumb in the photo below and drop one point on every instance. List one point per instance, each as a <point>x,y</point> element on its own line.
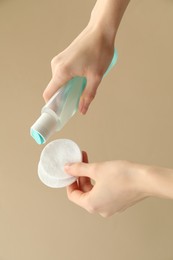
<point>80,169</point>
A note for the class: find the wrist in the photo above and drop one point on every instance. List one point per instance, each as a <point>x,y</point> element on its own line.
<point>141,179</point>
<point>155,181</point>
<point>161,182</point>
<point>100,31</point>
<point>99,26</point>
<point>106,16</point>
<point>103,19</point>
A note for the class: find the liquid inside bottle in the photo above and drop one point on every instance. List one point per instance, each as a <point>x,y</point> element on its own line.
<point>64,103</point>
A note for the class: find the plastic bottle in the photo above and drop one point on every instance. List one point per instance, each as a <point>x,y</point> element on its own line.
<point>61,107</point>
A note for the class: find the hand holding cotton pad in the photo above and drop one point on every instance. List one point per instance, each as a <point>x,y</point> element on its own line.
<point>52,160</point>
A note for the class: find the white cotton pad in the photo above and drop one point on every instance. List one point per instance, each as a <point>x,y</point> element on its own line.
<point>52,160</point>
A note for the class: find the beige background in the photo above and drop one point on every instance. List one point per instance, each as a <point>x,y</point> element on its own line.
<point>131,118</point>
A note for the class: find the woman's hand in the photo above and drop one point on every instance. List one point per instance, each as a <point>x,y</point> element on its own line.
<point>118,185</point>
<point>89,55</point>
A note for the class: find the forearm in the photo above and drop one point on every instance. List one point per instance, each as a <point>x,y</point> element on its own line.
<point>157,181</point>
<point>107,14</point>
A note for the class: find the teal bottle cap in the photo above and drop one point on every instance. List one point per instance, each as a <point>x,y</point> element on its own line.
<point>37,136</point>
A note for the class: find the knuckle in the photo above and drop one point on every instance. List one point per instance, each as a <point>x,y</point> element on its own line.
<point>95,169</point>
<point>105,214</point>
<point>45,95</point>
<point>75,167</point>
<point>57,59</point>
<point>92,207</point>
<point>69,197</point>
<point>54,61</point>
<point>58,64</point>
<point>98,76</point>
<point>89,97</point>
<point>61,69</point>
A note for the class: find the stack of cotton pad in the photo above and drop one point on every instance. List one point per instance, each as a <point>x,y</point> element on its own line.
<point>52,160</point>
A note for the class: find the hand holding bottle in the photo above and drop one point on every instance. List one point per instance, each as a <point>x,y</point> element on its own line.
<point>89,55</point>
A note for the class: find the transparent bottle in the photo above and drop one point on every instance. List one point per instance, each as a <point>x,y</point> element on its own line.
<point>61,107</point>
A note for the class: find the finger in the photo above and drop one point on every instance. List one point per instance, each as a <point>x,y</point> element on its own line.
<point>89,93</point>
<point>77,196</point>
<point>81,170</point>
<point>84,157</point>
<point>58,80</point>
<point>73,186</point>
<point>85,184</point>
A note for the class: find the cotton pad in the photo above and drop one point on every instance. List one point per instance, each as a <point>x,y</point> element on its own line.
<point>52,160</point>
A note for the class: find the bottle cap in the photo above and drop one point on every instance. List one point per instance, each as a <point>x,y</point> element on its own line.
<point>43,128</point>
<point>53,159</point>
